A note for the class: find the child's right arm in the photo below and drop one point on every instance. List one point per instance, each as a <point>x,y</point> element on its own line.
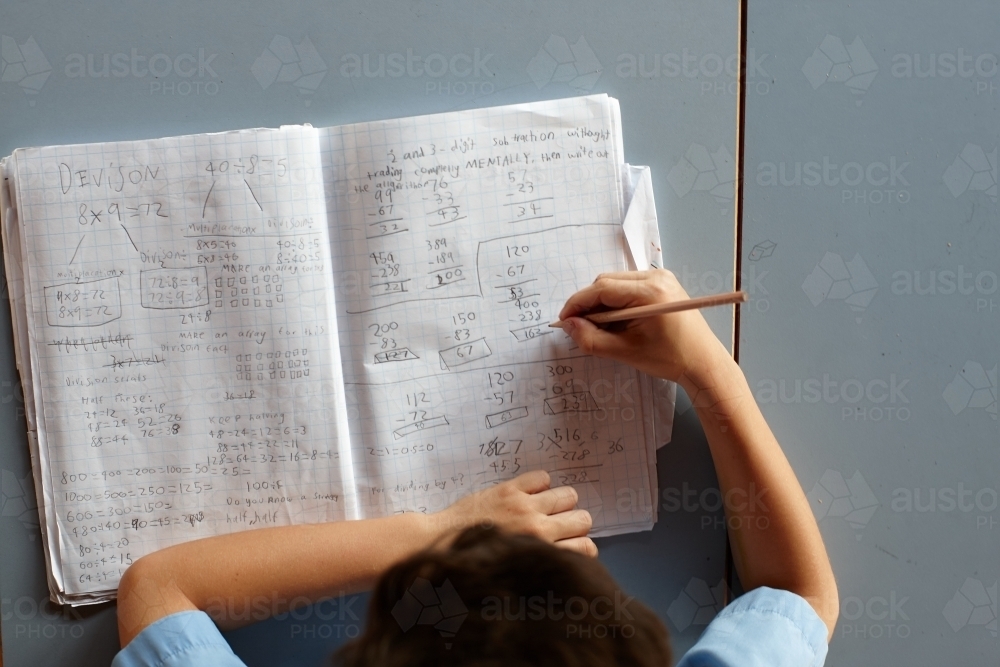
<point>776,541</point>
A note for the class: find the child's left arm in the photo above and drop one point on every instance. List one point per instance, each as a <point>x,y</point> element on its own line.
<point>245,577</point>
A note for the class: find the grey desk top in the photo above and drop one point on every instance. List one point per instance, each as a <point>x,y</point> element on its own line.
<point>871,222</point>
<point>196,67</point>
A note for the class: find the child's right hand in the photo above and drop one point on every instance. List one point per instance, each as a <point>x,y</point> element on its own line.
<point>788,553</point>
<point>668,346</point>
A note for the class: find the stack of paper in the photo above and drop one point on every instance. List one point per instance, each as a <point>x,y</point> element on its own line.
<point>229,331</point>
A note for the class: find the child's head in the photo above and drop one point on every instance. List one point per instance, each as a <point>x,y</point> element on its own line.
<point>498,599</point>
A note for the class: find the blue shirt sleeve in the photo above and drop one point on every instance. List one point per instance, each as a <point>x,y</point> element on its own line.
<point>184,639</point>
<point>763,628</point>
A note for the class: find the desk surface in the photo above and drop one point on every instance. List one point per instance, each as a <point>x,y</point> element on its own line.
<point>872,232</point>
<point>671,64</point>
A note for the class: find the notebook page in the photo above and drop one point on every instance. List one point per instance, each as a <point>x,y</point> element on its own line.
<point>459,237</point>
<point>183,341</point>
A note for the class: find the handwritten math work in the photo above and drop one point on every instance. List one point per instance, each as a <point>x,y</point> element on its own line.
<point>229,331</point>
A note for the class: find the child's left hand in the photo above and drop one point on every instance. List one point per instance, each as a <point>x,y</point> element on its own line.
<point>527,505</point>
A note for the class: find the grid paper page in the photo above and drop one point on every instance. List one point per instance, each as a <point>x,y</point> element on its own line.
<point>183,344</point>
<point>458,238</point>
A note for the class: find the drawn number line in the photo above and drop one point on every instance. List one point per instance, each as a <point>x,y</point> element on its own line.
<point>596,465</point>
<point>537,217</point>
<point>447,222</point>
<point>523,282</point>
<point>378,236</point>
<point>444,269</point>
<point>512,299</point>
<point>391,282</point>
<point>526,201</point>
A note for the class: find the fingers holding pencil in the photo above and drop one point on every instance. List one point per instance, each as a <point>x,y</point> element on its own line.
<point>663,345</point>
<point>593,340</point>
<point>619,290</point>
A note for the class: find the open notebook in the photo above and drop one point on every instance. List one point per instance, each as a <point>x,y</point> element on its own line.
<point>227,331</point>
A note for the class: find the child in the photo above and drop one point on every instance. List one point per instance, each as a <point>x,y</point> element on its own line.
<point>526,579</point>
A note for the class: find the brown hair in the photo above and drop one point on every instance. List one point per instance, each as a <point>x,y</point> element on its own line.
<point>497,599</point>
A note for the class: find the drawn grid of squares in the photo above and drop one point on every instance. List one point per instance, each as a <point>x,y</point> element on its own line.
<point>57,247</point>
<point>364,149</point>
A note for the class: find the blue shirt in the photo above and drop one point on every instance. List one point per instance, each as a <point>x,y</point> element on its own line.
<point>764,628</point>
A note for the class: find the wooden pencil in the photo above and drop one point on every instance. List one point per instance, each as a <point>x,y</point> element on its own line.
<point>662,308</point>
